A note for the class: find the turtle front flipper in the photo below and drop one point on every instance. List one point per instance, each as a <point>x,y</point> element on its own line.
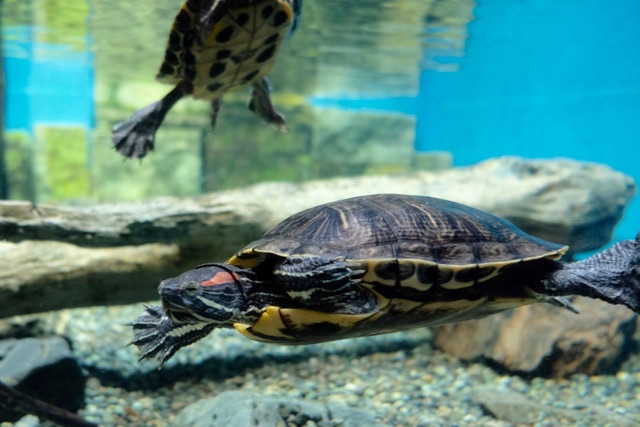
<point>612,275</point>
<point>261,105</point>
<point>159,337</point>
<point>134,137</point>
<point>325,283</point>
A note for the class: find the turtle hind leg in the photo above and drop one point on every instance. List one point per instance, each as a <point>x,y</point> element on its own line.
<point>612,275</point>
<point>215,110</point>
<point>261,105</point>
<point>134,137</point>
<point>324,283</point>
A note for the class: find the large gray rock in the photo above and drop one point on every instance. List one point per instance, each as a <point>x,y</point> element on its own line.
<point>246,409</point>
<point>44,368</point>
<point>565,201</point>
<point>513,407</point>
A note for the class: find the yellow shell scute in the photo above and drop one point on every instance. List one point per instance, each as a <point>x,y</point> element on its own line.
<point>301,318</point>
<point>269,324</point>
<point>296,326</point>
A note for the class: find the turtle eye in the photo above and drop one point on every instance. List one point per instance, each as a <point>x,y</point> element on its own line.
<point>191,289</point>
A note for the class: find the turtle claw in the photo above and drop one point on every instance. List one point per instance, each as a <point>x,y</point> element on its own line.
<point>135,137</point>
<point>159,337</point>
<point>558,302</point>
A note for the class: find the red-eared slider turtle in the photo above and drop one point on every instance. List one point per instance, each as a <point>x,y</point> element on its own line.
<point>215,46</point>
<point>376,264</point>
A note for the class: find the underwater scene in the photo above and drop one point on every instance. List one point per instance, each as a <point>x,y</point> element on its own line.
<point>319,213</point>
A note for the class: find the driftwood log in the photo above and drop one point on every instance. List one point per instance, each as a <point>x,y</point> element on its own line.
<point>62,257</point>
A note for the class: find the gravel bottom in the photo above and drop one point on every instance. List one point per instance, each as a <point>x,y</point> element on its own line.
<point>398,377</point>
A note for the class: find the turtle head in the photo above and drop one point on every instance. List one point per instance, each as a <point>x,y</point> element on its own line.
<point>211,293</point>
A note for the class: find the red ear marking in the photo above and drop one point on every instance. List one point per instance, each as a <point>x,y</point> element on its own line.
<point>220,278</point>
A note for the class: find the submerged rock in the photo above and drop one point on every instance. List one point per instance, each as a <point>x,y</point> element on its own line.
<point>43,368</point>
<point>246,409</point>
<point>513,407</point>
<point>544,340</point>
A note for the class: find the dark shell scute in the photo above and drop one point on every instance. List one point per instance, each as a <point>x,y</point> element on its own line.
<point>166,69</point>
<point>171,57</point>
<point>267,11</point>
<point>368,252</point>
<point>216,69</point>
<point>406,269</point>
<point>271,39</point>
<point>188,39</point>
<point>237,59</point>
<point>524,248</point>
<point>427,273</point>
<point>412,249</point>
<point>226,34</point>
<point>458,253</point>
<point>223,54</point>
<point>175,41</point>
<point>280,18</point>
<point>387,270</point>
<point>279,246</point>
<point>242,19</point>
<point>250,76</point>
<point>266,54</point>
<point>183,20</point>
<point>485,272</point>
<point>190,73</point>
<point>443,276</point>
<point>322,328</point>
<point>193,4</point>
<point>498,251</point>
<point>473,274</point>
<point>188,58</point>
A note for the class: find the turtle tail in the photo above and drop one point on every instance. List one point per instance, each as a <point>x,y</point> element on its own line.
<point>612,275</point>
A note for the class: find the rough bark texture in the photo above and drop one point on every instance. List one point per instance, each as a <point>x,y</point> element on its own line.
<point>106,263</point>
<point>42,276</point>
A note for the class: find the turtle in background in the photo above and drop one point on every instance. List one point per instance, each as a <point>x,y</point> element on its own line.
<point>215,46</point>
<point>378,264</point>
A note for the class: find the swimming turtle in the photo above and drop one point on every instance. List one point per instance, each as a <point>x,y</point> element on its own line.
<point>215,46</point>
<point>376,264</point>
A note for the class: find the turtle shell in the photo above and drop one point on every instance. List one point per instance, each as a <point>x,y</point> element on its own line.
<point>428,261</point>
<point>222,45</point>
<point>466,243</point>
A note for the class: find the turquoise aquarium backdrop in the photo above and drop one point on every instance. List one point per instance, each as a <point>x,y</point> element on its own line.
<point>537,79</point>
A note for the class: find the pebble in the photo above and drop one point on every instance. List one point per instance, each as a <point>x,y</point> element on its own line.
<point>398,377</point>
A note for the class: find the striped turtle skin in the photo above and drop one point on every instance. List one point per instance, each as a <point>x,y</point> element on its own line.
<point>214,47</point>
<point>377,264</point>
